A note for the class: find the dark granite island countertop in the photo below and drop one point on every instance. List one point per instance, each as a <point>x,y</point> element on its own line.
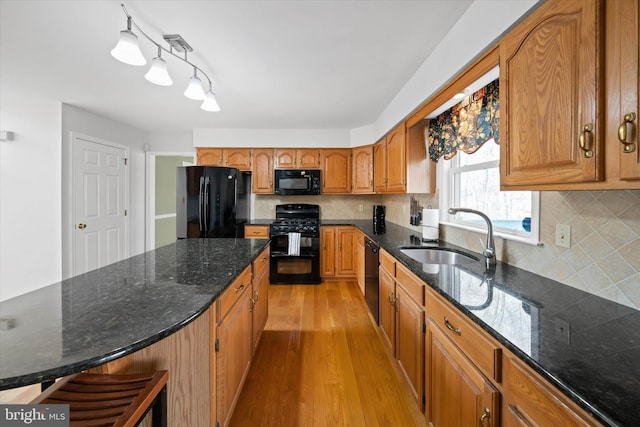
<point>110,312</point>
<point>585,345</point>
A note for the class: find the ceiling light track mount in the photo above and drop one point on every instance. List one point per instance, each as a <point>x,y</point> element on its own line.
<point>128,51</point>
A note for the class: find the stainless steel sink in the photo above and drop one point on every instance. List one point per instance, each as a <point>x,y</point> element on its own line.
<point>431,255</point>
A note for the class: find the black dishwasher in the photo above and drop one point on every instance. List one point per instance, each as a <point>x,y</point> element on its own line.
<point>371,289</point>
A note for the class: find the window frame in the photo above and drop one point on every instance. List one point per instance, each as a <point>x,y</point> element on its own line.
<point>446,171</point>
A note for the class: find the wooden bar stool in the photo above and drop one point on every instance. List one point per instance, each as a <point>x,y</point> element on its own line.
<point>110,400</point>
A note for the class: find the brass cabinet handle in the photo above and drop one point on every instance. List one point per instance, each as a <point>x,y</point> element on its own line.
<point>485,416</point>
<point>586,140</point>
<point>255,300</point>
<point>451,327</point>
<point>82,226</point>
<point>391,298</point>
<point>264,259</point>
<point>239,288</point>
<point>629,147</point>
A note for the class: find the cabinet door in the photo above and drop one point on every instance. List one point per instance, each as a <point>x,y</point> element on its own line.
<point>459,395</point>
<point>209,156</point>
<point>550,70</point>
<point>237,158</point>
<point>380,166</point>
<point>327,254</point>
<point>396,160</point>
<point>410,341</point>
<point>362,177</point>
<point>233,355</point>
<point>307,158</point>
<point>387,309</point>
<point>336,170</point>
<point>262,171</point>
<point>260,296</point>
<point>345,261</point>
<point>285,158</point>
<point>360,254</point>
<point>623,80</point>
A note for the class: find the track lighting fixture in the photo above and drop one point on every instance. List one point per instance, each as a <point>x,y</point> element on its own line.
<point>128,51</point>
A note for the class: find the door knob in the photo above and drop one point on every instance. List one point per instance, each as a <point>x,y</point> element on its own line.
<point>82,226</point>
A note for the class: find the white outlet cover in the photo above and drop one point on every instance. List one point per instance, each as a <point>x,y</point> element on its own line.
<point>563,235</point>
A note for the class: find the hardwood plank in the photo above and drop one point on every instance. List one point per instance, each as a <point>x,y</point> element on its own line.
<point>321,362</point>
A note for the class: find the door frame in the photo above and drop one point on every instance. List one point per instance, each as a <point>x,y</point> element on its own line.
<point>73,195</point>
<point>150,192</point>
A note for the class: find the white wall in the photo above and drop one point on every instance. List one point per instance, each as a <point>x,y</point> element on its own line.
<point>334,138</point>
<point>80,121</point>
<point>30,187</point>
<point>171,142</point>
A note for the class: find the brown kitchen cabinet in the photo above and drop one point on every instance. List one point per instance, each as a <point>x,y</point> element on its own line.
<point>458,395</point>
<point>362,167</point>
<point>336,170</point>
<point>296,158</point>
<point>337,252</point>
<point>561,118</point>
<point>262,171</point>
<point>230,157</point>
<point>233,345</point>
<point>259,296</point>
<point>400,163</point>
<point>529,402</point>
<point>387,296</point>
<point>359,260</point>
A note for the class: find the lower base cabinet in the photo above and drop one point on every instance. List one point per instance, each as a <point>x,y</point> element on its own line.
<point>458,394</point>
<point>260,296</point>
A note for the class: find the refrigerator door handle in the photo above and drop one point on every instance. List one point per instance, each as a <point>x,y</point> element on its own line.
<point>207,185</point>
<point>201,202</point>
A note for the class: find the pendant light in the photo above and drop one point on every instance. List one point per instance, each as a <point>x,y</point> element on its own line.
<point>194,89</point>
<point>127,49</point>
<point>210,103</point>
<point>158,73</point>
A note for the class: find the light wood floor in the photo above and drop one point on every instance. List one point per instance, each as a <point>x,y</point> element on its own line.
<point>320,362</point>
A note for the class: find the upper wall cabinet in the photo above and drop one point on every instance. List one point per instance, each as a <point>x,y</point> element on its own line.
<point>400,163</point>
<point>262,171</point>
<point>296,158</point>
<point>549,95</point>
<point>230,157</point>
<point>336,170</point>
<point>362,175</point>
<point>569,95</point>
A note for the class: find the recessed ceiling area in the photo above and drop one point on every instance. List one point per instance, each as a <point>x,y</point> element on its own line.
<point>316,64</point>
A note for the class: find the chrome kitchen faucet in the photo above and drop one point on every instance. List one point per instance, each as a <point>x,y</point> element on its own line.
<point>488,250</point>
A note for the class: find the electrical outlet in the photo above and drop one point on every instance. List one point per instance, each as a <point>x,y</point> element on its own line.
<point>563,235</point>
<point>563,329</point>
<point>361,207</point>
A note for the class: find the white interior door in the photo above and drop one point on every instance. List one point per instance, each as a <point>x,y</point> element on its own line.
<point>100,210</point>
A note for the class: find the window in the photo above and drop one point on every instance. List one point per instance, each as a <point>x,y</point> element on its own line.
<point>473,181</point>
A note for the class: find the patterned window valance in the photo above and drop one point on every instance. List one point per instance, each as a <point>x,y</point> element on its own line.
<point>467,125</point>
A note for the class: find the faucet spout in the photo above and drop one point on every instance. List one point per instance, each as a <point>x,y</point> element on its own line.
<point>488,250</point>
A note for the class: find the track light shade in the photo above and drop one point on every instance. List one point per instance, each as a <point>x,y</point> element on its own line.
<point>194,90</point>
<point>210,103</point>
<point>158,73</point>
<point>127,49</point>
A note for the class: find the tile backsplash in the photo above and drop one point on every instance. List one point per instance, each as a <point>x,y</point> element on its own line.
<point>604,258</point>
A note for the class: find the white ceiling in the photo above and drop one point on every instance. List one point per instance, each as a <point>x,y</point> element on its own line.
<point>296,64</point>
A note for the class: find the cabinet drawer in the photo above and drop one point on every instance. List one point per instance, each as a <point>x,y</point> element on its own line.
<point>530,401</point>
<point>261,264</point>
<point>233,293</point>
<point>410,283</point>
<point>387,262</point>
<point>256,231</point>
<point>483,352</point>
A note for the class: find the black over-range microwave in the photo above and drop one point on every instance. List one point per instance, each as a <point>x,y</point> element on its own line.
<point>296,181</point>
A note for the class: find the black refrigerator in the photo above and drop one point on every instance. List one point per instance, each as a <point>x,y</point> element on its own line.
<point>212,201</point>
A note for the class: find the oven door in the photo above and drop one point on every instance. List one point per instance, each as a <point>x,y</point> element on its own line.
<point>289,269</point>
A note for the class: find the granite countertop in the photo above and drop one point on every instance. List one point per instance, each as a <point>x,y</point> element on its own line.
<point>596,363</point>
<point>107,313</point>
